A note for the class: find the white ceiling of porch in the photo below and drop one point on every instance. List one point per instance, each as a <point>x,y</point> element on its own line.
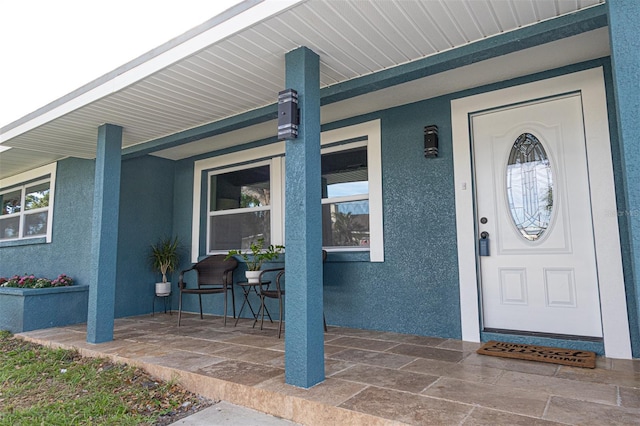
<point>244,70</point>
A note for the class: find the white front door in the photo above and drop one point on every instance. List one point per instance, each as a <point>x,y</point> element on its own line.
<point>533,200</point>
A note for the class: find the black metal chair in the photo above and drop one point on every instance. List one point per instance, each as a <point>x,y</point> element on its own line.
<point>214,276</point>
<point>265,291</point>
<point>278,293</point>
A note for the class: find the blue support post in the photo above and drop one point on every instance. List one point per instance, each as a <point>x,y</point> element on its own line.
<point>304,337</point>
<point>625,54</point>
<point>104,243</point>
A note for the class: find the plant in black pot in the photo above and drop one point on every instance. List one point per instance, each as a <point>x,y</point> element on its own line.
<point>165,258</point>
<point>256,256</point>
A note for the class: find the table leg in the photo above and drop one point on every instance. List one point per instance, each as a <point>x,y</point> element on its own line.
<point>245,292</point>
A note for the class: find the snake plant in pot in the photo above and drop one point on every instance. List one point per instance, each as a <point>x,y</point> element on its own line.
<point>165,258</point>
<point>256,256</point>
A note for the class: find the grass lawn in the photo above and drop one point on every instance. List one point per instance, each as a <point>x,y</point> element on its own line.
<point>44,386</point>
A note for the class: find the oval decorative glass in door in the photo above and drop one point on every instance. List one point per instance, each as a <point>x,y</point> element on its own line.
<point>529,186</point>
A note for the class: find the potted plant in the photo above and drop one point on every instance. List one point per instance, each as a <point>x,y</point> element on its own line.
<point>165,258</point>
<point>256,256</point>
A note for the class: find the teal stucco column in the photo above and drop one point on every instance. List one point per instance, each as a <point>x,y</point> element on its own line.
<point>104,232</point>
<point>304,337</point>
<point>625,54</point>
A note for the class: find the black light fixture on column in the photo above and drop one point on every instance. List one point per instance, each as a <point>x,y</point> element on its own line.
<point>288,114</point>
<point>431,141</point>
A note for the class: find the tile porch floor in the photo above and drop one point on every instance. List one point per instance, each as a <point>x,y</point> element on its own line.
<point>373,378</point>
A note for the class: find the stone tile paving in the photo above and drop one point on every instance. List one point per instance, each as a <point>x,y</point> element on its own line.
<point>373,377</point>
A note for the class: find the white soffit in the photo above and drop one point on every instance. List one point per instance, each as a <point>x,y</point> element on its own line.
<point>238,66</point>
<point>567,51</point>
<point>571,50</point>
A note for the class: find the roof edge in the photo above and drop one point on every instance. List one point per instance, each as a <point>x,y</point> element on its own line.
<point>226,15</point>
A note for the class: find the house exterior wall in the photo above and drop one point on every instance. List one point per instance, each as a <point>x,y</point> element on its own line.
<point>146,215</point>
<point>70,247</point>
<point>415,290</point>
<point>624,94</point>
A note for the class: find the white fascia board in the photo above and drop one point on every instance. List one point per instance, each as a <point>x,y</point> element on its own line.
<point>244,20</point>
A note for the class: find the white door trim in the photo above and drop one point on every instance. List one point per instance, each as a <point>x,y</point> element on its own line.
<point>590,84</point>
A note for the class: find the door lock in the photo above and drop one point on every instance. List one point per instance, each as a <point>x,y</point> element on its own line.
<point>484,243</point>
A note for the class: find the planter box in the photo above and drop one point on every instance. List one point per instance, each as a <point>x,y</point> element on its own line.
<point>35,308</point>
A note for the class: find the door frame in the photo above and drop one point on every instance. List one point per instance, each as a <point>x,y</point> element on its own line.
<point>590,84</point>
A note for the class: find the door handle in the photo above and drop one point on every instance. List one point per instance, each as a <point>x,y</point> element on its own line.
<point>484,244</point>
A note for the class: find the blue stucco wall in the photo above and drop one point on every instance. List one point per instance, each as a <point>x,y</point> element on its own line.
<point>625,86</point>
<point>32,309</point>
<point>416,289</point>
<point>70,247</point>
<point>146,215</point>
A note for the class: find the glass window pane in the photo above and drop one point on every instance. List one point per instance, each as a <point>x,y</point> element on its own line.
<point>35,224</point>
<point>11,202</point>
<point>37,196</point>
<point>238,231</point>
<point>529,187</point>
<point>240,189</point>
<point>10,228</point>
<point>345,173</point>
<point>345,224</point>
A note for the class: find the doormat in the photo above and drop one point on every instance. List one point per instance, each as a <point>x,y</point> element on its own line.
<point>572,357</point>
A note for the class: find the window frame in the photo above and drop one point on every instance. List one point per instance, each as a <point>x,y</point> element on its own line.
<point>348,198</point>
<point>366,134</point>
<point>21,182</point>
<point>269,208</point>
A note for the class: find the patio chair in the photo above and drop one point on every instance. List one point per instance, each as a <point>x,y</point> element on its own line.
<point>214,276</point>
<point>278,293</point>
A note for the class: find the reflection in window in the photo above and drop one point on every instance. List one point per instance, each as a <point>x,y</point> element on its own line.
<point>37,196</point>
<point>35,224</point>
<point>529,186</point>
<point>239,208</point>
<point>345,199</point>
<point>11,202</point>
<point>25,211</point>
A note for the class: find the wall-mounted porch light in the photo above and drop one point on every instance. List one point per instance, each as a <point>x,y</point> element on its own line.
<point>288,114</point>
<point>431,141</point>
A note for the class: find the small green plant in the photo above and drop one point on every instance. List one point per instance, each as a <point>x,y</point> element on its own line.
<point>165,256</point>
<point>257,254</point>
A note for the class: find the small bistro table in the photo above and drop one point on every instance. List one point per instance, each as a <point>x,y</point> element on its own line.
<point>246,288</point>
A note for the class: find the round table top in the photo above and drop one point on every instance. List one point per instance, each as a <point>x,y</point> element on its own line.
<point>246,283</point>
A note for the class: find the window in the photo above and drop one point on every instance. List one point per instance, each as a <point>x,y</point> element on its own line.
<point>345,198</point>
<point>245,195</point>
<point>239,208</point>
<point>26,205</point>
<point>529,187</point>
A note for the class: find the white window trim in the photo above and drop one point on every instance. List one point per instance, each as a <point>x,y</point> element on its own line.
<point>345,199</point>
<point>273,206</point>
<point>32,175</point>
<point>275,153</point>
